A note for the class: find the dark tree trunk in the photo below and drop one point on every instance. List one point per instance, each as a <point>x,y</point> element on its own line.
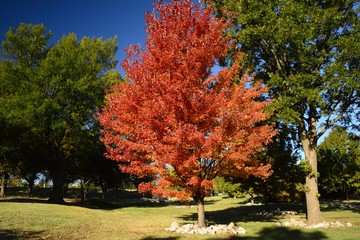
<point>104,189</point>
<point>58,174</point>
<point>82,192</point>
<point>266,201</point>
<point>66,189</point>
<point>3,185</point>
<point>31,188</point>
<point>84,189</point>
<point>31,181</point>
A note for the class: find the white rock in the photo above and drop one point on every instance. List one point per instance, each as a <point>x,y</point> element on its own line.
<point>293,221</point>
<point>318,225</point>
<point>230,226</point>
<point>286,224</point>
<point>202,231</point>
<point>348,224</point>
<point>338,224</point>
<point>326,224</point>
<point>174,225</point>
<point>212,231</point>
<point>188,226</point>
<point>170,229</point>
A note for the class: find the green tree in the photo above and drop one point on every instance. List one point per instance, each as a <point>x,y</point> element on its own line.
<point>20,56</point>
<point>228,186</point>
<point>74,75</point>
<point>283,156</point>
<point>339,163</point>
<point>54,93</point>
<point>308,54</point>
<point>286,175</point>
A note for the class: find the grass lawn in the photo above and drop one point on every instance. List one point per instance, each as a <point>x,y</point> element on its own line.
<point>22,218</point>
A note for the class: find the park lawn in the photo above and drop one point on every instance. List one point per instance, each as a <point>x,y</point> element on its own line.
<point>35,219</point>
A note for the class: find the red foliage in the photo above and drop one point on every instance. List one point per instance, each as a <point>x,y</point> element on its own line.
<point>176,122</point>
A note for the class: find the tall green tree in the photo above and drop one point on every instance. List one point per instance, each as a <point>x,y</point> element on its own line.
<point>339,163</point>
<point>73,77</point>
<point>307,52</point>
<point>54,92</point>
<point>20,57</point>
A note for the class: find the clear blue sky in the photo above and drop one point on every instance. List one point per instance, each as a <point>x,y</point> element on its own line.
<point>98,18</point>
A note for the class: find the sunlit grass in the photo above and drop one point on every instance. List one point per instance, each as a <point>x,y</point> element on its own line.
<point>35,219</point>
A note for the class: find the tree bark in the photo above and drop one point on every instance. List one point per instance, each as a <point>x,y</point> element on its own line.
<point>82,191</point>
<point>104,189</point>
<point>58,174</point>
<point>31,188</point>
<point>2,186</point>
<point>201,213</point>
<point>31,182</point>
<point>311,185</point>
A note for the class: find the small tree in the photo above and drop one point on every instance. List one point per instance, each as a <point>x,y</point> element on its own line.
<point>339,163</point>
<point>175,122</point>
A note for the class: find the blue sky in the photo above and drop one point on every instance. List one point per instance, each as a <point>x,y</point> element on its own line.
<point>98,18</point>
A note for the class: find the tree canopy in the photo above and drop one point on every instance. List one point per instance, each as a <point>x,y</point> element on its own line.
<point>307,53</point>
<point>174,120</point>
<point>51,95</point>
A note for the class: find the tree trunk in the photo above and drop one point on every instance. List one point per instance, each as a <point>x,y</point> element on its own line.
<point>58,172</point>
<point>311,185</point>
<point>31,188</point>
<point>31,181</point>
<point>266,201</point>
<point>2,186</point>
<point>104,189</point>
<point>82,191</point>
<point>201,212</point>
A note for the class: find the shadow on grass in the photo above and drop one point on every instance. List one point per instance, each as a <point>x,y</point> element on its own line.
<point>17,234</point>
<point>157,238</point>
<point>339,205</point>
<point>244,214</point>
<point>282,233</point>
<point>112,204</point>
<point>123,203</point>
<point>23,200</point>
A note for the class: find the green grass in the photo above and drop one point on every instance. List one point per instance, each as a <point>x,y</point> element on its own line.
<point>22,218</point>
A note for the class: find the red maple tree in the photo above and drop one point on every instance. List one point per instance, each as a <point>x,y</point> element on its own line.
<point>173,120</point>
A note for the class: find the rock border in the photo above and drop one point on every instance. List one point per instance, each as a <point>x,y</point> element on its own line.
<point>324,224</point>
<point>212,229</point>
<point>276,212</point>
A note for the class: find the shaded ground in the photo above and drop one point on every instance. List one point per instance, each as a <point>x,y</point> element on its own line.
<point>115,200</point>
<point>17,234</point>
<point>280,233</point>
<point>243,213</point>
